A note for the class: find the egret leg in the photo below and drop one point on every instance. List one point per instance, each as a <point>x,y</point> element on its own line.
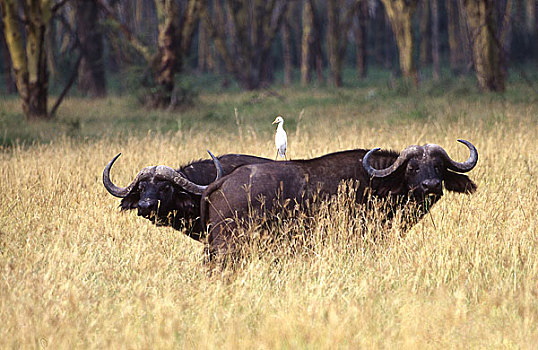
<point>276,157</point>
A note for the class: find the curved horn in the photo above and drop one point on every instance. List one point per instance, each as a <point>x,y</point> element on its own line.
<point>122,192</point>
<point>175,177</point>
<point>182,181</point>
<point>365,162</point>
<point>404,156</point>
<point>464,167</point>
<point>114,190</point>
<point>220,170</point>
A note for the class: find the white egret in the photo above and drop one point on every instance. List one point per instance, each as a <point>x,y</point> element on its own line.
<point>281,139</point>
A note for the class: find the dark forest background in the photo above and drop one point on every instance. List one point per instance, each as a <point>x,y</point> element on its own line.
<point>157,49</point>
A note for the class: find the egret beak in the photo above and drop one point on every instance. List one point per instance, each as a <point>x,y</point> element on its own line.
<point>274,122</point>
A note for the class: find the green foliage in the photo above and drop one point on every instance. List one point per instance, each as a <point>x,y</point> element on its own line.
<point>139,83</point>
<point>373,103</point>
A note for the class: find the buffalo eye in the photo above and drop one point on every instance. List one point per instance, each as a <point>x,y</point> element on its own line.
<point>142,185</point>
<point>165,188</point>
<point>412,170</point>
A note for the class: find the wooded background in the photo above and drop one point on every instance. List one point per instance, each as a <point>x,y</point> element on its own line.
<point>85,42</point>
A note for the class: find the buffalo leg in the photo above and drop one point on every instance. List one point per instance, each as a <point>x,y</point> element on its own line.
<point>221,244</point>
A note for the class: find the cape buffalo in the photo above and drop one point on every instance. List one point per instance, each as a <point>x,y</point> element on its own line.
<point>172,197</point>
<point>414,175</point>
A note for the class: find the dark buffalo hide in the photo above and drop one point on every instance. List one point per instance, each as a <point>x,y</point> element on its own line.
<point>171,197</point>
<point>415,175</point>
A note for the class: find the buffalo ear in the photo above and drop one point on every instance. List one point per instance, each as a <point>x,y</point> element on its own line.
<point>130,202</point>
<point>459,183</point>
<point>184,201</point>
<point>393,183</point>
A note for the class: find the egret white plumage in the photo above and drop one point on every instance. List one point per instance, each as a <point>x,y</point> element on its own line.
<point>281,139</point>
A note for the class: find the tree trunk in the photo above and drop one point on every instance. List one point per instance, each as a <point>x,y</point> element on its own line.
<point>318,61</point>
<point>487,49</point>
<point>504,38</point>
<point>317,48</point>
<point>530,19</point>
<point>455,39</point>
<point>425,30</point>
<point>339,21</point>
<point>400,13</point>
<point>243,33</point>
<point>361,38</point>
<point>378,34</point>
<point>333,37</point>
<point>10,85</point>
<point>175,36</point>
<point>435,39</point>
<point>91,72</point>
<point>166,61</point>
<point>146,22</point>
<point>306,44</point>
<point>50,48</point>
<point>203,49</point>
<point>287,54</point>
<point>388,44</point>
<point>506,28</point>
<point>30,65</point>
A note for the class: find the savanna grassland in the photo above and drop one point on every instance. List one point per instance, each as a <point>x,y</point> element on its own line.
<point>76,272</point>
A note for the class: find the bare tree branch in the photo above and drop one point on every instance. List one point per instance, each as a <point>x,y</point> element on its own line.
<point>58,6</point>
<point>135,42</point>
<point>67,87</point>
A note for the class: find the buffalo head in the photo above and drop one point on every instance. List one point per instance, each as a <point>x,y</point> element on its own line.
<point>159,191</point>
<point>422,170</point>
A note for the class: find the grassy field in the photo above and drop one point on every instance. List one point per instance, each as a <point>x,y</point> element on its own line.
<point>75,272</point>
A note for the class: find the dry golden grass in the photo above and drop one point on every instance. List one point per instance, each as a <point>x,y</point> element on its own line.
<point>75,272</point>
